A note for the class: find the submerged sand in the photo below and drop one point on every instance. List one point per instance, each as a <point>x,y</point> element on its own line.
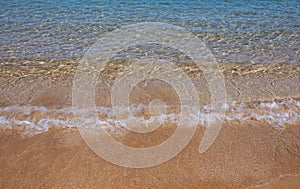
<point>46,84</point>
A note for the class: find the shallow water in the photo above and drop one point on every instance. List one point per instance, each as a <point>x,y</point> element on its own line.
<point>235,31</point>
<point>41,42</point>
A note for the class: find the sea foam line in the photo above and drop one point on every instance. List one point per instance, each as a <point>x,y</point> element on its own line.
<point>31,120</point>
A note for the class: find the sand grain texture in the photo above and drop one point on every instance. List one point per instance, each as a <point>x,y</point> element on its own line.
<point>242,156</point>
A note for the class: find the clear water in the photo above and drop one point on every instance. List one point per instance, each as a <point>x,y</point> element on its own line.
<point>235,31</point>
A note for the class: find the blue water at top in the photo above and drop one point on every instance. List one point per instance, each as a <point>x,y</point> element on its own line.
<point>235,31</point>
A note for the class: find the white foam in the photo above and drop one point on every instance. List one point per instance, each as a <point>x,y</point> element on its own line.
<point>271,105</point>
<point>23,119</point>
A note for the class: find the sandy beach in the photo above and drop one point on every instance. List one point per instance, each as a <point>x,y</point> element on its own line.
<point>150,94</point>
<point>246,154</point>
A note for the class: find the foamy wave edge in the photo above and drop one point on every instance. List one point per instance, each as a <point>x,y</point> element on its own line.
<point>31,120</point>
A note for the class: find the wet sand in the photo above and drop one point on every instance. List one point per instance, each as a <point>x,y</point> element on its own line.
<point>245,154</point>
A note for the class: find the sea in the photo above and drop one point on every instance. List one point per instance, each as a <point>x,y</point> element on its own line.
<point>255,43</point>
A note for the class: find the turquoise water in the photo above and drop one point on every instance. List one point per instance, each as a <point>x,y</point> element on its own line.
<point>235,31</point>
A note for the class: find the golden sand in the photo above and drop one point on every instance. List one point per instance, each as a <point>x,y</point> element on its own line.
<point>243,155</point>
<point>251,154</point>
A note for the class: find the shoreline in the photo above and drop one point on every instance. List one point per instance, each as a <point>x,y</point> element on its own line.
<point>245,154</point>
